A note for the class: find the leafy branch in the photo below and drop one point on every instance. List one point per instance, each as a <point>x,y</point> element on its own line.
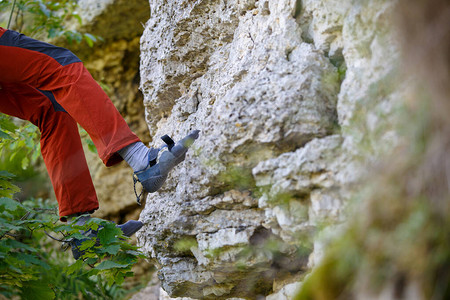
<point>47,19</point>
<point>26,257</point>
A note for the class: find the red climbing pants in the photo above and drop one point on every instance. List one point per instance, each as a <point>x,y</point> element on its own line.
<point>49,86</point>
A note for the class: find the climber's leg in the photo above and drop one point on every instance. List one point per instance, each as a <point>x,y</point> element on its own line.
<point>89,105</point>
<point>60,145</point>
<point>59,71</point>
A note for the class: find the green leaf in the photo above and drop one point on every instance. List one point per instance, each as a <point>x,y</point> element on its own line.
<point>8,226</point>
<point>108,264</point>
<point>62,227</point>
<point>77,36</point>
<point>88,255</point>
<point>6,174</point>
<point>36,154</point>
<point>4,135</point>
<point>113,249</point>
<point>90,36</point>
<point>13,244</point>
<point>93,225</point>
<point>91,146</point>
<point>92,260</point>
<point>32,260</point>
<point>89,39</point>
<point>32,222</point>
<point>77,236</point>
<point>135,253</point>
<point>37,290</point>
<point>7,123</point>
<point>9,204</point>
<point>108,234</point>
<point>25,163</point>
<point>52,32</point>
<point>7,193</point>
<point>129,274</point>
<point>118,278</point>
<point>77,16</point>
<point>74,267</point>
<point>87,244</point>
<point>11,187</point>
<point>45,10</point>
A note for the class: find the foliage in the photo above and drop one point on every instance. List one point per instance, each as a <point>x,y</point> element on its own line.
<point>19,147</point>
<point>47,19</point>
<point>109,246</point>
<point>31,265</point>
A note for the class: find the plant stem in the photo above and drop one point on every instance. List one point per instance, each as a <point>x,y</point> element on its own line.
<point>10,16</point>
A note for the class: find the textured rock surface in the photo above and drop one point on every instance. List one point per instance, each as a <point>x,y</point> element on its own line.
<point>283,93</point>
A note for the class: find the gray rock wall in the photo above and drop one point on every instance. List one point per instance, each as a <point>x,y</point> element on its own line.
<point>293,100</point>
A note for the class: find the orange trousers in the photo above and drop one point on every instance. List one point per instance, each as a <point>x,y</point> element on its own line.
<point>49,86</point>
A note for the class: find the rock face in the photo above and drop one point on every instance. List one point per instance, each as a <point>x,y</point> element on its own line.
<point>286,94</point>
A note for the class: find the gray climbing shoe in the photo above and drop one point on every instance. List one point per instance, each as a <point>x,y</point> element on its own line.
<point>128,229</point>
<point>162,161</point>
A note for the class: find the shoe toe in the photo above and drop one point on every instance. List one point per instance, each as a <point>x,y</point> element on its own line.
<point>131,227</point>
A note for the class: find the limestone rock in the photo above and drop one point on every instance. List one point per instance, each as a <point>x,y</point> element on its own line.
<point>287,292</point>
<point>114,19</point>
<point>278,90</point>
